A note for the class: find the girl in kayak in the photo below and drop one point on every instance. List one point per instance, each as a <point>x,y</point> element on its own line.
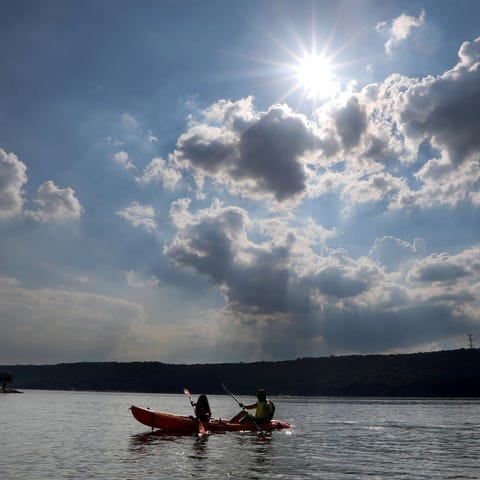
<point>263,413</point>
<point>202,408</point>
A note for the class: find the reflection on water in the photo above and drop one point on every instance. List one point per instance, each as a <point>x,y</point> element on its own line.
<point>200,447</point>
<point>140,441</point>
<point>262,453</point>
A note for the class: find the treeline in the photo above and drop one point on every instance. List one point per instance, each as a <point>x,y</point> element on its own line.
<point>454,373</point>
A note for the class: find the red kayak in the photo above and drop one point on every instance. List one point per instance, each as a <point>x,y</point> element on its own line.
<point>182,424</point>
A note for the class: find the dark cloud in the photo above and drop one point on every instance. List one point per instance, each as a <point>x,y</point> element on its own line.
<point>208,246</point>
<point>253,278</point>
<point>270,149</point>
<point>208,148</point>
<point>350,122</point>
<point>440,273</point>
<point>338,282</point>
<point>443,268</point>
<point>255,154</point>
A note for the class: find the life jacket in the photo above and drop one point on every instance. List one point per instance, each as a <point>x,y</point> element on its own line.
<point>265,410</point>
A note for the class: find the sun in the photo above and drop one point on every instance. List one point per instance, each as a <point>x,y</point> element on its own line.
<point>314,74</point>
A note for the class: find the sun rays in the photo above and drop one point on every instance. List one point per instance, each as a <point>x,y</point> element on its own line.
<point>315,76</point>
<point>299,70</point>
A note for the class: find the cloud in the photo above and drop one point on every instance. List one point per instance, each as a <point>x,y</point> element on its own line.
<point>408,142</point>
<point>136,280</point>
<point>374,188</point>
<point>448,268</point>
<point>400,29</point>
<point>158,170</point>
<point>56,325</point>
<point>56,204</point>
<point>444,108</point>
<point>121,158</point>
<point>131,132</point>
<point>350,122</point>
<point>393,252</point>
<point>128,140</point>
<point>38,325</point>
<point>12,178</point>
<point>139,215</point>
<point>255,154</point>
<point>281,285</point>
<point>271,150</point>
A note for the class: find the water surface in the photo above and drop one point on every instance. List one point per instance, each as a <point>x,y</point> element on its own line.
<point>80,435</point>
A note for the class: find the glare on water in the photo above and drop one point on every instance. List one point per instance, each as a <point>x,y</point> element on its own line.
<point>93,435</point>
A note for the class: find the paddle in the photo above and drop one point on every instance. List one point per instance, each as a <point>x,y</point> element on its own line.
<point>240,404</point>
<point>201,427</point>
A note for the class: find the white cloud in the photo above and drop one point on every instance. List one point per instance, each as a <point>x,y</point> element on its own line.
<point>374,188</point>
<point>447,184</point>
<point>400,29</point>
<point>139,215</point>
<point>12,178</point>
<point>121,158</point>
<point>395,120</point>
<point>158,170</point>
<point>56,204</point>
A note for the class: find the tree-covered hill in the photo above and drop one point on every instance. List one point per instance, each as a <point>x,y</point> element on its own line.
<point>453,373</point>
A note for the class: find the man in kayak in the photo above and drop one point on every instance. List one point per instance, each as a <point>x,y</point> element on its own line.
<point>263,413</point>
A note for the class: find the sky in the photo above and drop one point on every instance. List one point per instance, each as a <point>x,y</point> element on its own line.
<point>224,181</point>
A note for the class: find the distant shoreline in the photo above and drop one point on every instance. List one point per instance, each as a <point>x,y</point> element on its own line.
<point>449,373</point>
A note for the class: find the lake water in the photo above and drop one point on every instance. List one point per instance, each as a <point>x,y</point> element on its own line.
<point>86,435</point>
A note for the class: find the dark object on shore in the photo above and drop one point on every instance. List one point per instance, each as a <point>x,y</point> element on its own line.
<point>6,377</point>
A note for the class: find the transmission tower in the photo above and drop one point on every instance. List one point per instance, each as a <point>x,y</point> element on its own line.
<point>470,339</point>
